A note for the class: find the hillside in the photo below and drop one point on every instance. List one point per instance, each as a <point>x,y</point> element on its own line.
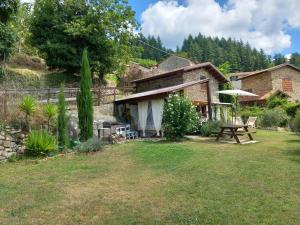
<point>23,71</point>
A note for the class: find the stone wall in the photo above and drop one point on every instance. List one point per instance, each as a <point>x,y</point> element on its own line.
<point>195,92</point>
<point>174,62</point>
<point>198,92</point>
<point>272,80</point>
<point>171,80</point>
<point>290,73</point>
<point>257,84</point>
<point>11,143</point>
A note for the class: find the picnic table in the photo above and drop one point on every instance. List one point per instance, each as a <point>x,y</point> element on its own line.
<point>232,131</point>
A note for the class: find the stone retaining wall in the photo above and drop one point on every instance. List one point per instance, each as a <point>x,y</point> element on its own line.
<point>11,143</point>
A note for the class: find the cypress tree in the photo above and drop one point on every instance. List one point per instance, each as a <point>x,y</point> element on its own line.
<point>62,120</point>
<point>85,100</point>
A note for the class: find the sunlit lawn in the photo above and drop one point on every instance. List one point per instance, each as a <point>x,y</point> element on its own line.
<point>194,182</point>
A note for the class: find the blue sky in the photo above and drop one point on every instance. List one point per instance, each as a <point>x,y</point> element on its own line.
<point>280,31</point>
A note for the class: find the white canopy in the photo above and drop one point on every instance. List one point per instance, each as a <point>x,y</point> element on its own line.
<point>236,93</point>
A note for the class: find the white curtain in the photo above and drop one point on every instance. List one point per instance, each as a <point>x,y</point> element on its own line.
<point>157,112</point>
<point>218,113</point>
<point>143,114</point>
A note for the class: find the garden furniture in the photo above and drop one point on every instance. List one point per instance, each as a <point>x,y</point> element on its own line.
<point>251,122</point>
<point>232,131</point>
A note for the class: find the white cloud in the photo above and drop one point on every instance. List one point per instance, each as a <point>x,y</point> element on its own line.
<point>263,23</point>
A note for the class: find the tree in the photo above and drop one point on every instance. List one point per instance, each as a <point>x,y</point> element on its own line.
<point>7,9</point>
<point>85,100</point>
<point>28,106</point>
<point>61,29</point>
<point>21,25</point>
<point>225,68</point>
<point>240,55</point>
<point>8,37</point>
<point>150,48</point>
<point>279,59</point>
<point>295,59</point>
<point>62,120</point>
<point>179,117</point>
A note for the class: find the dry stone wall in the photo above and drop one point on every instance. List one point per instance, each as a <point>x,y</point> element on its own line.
<point>11,143</point>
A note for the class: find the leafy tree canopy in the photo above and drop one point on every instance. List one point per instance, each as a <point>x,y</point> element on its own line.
<point>279,59</point>
<point>7,9</point>
<point>8,37</point>
<point>295,59</point>
<point>62,29</point>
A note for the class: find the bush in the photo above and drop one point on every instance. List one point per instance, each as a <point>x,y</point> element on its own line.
<point>91,145</point>
<point>28,106</point>
<point>295,123</point>
<point>209,128</point>
<point>50,112</point>
<point>292,108</point>
<point>253,111</point>
<point>40,143</point>
<point>276,117</point>
<point>179,117</point>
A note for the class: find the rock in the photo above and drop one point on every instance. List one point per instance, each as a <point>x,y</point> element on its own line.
<point>4,154</point>
<point>2,158</point>
<point>2,137</point>
<point>1,147</point>
<point>7,144</point>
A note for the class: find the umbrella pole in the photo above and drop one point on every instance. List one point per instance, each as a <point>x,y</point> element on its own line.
<point>236,105</point>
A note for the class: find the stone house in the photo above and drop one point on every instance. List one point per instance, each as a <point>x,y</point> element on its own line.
<point>284,78</point>
<point>198,81</point>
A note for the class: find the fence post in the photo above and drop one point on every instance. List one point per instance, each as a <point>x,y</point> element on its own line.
<point>48,96</point>
<point>5,103</point>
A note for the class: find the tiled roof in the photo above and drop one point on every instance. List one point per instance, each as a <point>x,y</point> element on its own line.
<point>262,96</point>
<point>269,69</point>
<point>215,72</point>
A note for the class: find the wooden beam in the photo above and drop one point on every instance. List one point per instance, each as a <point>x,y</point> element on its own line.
<point>209,101</point>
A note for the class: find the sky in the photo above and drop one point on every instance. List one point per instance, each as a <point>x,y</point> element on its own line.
<point>273,25</point>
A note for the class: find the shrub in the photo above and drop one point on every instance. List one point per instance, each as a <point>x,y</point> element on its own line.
<point>49,111</point>
<point>248,111</point>
<point>292,108</point>
<point>90,145</point>
<point>40,143</point>
<point>62,120</point>
<point>276,101</point>
<point>295,123</point>
<point>179,117</point>
<point>209,128</point>
<point>28,106</point>
<point>276,117</point>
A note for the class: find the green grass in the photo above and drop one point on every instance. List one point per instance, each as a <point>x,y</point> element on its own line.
<point>193,182</point>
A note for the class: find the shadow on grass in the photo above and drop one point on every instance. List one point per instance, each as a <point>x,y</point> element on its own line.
<point>293,154</point>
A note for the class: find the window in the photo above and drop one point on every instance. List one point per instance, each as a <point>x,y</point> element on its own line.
<point>287,85</point>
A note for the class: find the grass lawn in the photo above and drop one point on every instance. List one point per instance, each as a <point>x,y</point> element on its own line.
<point>194,182</point>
